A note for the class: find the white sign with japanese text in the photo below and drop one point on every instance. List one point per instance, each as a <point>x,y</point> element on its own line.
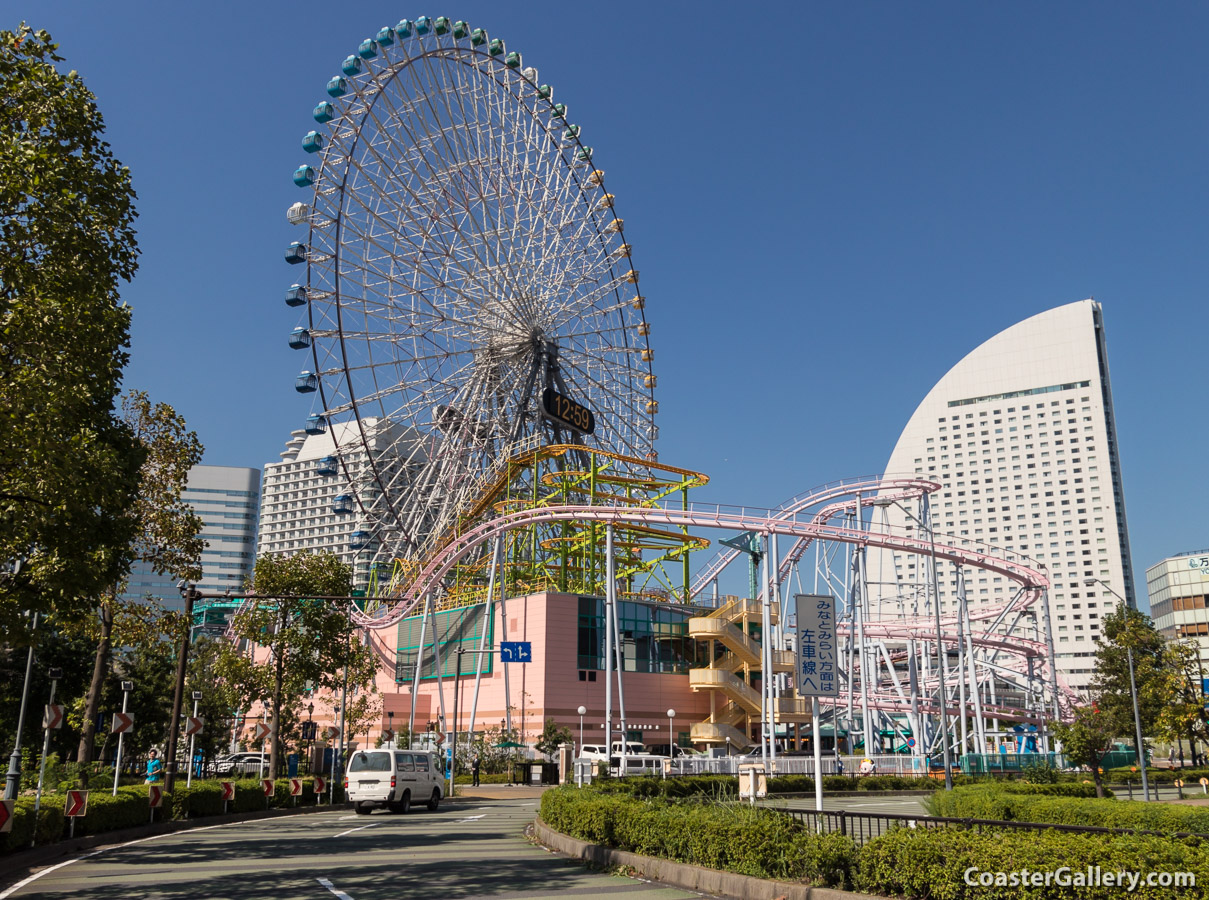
<point>817,672</point>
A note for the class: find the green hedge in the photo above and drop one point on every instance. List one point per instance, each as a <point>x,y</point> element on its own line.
<point>731,837</point>
<point>1059,789</point>
<point>991,803</point>
<point>1190,776</point>
<point>932,863</point>
<point>49,827</point>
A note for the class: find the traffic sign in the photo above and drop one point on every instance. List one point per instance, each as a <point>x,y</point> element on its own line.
<point>295,787</point>
<point>52,716</point>
<point>262,732</point>
<point>122,723</point>
<point>77,804</point>
<point>155,796</point>
<point>308,731</point>
<point>267,785</point>
<point>228,790</point>
<point>6,816</point>
<point>320,785</point>
<point>516,651</point>
<point>193,725</point>
<point>910,742</point>
<point>331,732</point>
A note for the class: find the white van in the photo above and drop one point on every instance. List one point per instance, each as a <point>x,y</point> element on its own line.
<point>594,752</point>
<point>393,778</point>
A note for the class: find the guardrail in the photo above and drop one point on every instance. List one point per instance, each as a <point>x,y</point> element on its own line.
<point>863,827</point>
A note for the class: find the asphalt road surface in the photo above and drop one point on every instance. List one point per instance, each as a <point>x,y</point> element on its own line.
<point>466,850</point>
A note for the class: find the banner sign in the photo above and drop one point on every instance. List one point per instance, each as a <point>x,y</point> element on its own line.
<point>816,673</point>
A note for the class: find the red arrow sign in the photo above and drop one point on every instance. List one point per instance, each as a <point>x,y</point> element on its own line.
<point>262,732</point>
<point>6,816</point>
<point>320,785</point>
<point>331,732</point>
<point>122,723</point>
<point>77,804</point>
<point>228,790</point>
<point>155,795</point>
<point>267,784</point>
<point>193,725</point>
<point>295,787</point>
<point>52,716</point>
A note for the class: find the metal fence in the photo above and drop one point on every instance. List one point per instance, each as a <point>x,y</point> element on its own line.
<point>863,827</point>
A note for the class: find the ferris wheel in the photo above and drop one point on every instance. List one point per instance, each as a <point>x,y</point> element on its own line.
<point>468,287</point>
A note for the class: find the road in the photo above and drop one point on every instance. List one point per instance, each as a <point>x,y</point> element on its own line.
<point>466,850</point>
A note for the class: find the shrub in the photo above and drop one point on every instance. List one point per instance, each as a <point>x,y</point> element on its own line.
<point>932,863</point>
<point>983,803</point>
<point>731,837</point>
<point>49,826</point>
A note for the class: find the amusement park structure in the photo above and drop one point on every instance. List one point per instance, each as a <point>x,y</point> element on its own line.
<point>471,310</point>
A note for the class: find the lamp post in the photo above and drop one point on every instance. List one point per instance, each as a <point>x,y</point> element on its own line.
<point>192,738</point>
<point>671,738</point>
<point>1133,693</point>
<point>127,687</point>
<point>13,783</point>
<point>582,711</point>
<point>189,592</point>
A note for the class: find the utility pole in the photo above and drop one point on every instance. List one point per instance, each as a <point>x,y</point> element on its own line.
<point>189,592</point>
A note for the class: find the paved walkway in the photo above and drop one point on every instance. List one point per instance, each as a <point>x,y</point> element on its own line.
<point>469,849</point>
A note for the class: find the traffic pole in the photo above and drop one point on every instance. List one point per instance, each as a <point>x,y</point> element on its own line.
<point>127,687</point>
<point>55,675</point>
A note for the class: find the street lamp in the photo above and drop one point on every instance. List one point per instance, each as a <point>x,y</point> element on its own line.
<point>1133,692</point>
<point>671,738</point>
<point>582,711</point>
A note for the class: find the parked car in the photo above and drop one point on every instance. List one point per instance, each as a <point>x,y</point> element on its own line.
<point>240,764</point>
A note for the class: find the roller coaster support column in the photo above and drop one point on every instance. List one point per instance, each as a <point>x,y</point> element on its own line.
<point>942,662</point>
<point>917,730</point>
<point>765,642</point>
<point>980,725</point>
<point>415,681</point>
<point>487,610</point>
<point>1049,647</point>
<point>961,670</point>
<point>619,650</point>
<point>859,592</point>
<point>610,588</point>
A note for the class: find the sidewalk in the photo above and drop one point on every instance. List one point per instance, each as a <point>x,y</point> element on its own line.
<point>500,791</point>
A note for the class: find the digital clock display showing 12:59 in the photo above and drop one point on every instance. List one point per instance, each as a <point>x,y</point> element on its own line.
<point>566,411</point>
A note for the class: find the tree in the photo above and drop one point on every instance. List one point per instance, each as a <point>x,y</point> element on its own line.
<point>1124,630</point>
<point>1184,717</point>
<point>1086,739</point>
<point>167,537</point>
<point>69,467</point>
<point>551,737</point>
<point>309,640</point>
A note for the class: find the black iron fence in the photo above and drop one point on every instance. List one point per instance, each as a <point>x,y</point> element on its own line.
<point>863,827</point>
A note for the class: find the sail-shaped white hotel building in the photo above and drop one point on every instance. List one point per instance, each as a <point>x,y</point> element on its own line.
<point>1022,436</point>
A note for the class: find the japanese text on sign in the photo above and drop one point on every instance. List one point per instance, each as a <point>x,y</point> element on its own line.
<point>816,674</point>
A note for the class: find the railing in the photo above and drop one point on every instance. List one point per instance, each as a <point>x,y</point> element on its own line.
<point>863,827</point>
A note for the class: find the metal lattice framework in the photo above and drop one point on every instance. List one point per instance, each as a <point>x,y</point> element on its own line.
<point>462,256</point>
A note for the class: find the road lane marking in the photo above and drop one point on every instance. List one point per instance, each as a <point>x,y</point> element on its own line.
<point>327,884</point>
<point>362,828</point>
<point>472,818</point>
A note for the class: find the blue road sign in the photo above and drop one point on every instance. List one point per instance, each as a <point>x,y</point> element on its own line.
<point>516,651</point>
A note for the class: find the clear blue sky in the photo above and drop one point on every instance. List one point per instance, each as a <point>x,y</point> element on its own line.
<point>830,204</point>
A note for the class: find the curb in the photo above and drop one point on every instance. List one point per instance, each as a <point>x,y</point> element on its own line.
<point>26,861</point>
<point>683,875</point>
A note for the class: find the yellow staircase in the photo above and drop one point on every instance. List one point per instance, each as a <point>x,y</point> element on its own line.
<point>729,626</point>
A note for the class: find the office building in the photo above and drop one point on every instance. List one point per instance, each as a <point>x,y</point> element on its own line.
<point>1022,436</point>
<point>1178,589</point>
<point>226,499</point>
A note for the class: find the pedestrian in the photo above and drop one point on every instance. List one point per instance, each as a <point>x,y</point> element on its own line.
<point>155,768</point>
<point>475,765</point>
<point>839,766</point>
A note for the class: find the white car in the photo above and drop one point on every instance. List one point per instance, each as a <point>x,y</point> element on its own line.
<point>395,779</point>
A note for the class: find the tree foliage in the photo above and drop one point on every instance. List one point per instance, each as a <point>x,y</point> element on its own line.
<point>1127,630</point>
<point>551,737</point>
<point>310,644</point>
<point>1086,739</point>
<point>69,467</point>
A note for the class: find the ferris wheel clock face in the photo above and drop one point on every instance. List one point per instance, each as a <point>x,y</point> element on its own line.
<point>466,285</point>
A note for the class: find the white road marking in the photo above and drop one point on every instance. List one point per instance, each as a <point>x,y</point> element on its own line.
<point>327,884</point>
<point>472,818</point>
<point>351,830</point>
